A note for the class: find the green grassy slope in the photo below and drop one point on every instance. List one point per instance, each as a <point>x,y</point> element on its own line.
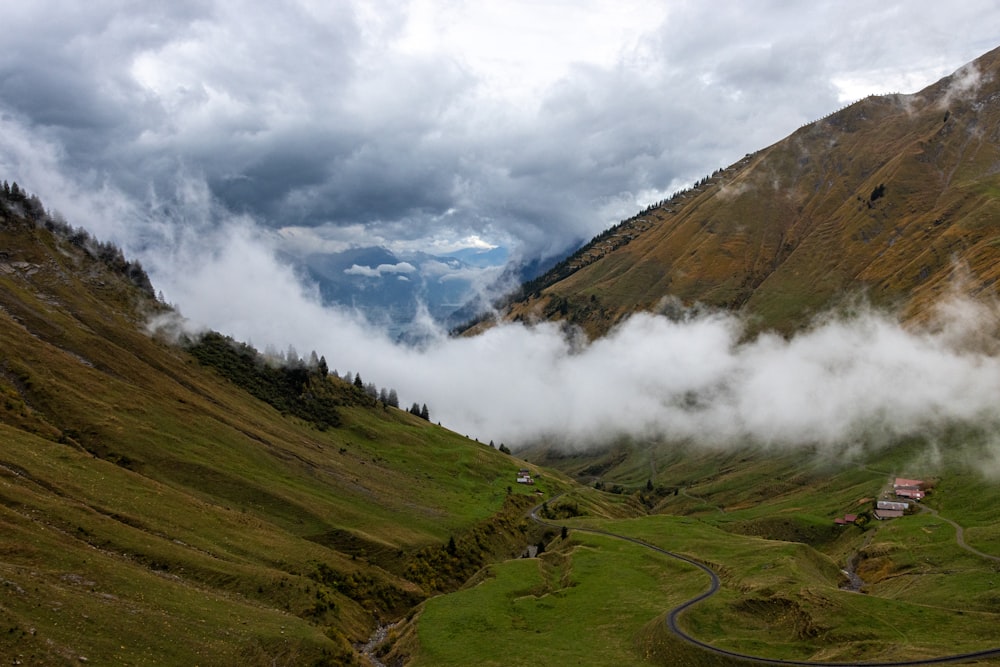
<point>762,519</point>
<point>152,511</point>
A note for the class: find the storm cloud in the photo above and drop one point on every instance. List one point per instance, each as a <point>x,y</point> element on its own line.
<point>532,126</point>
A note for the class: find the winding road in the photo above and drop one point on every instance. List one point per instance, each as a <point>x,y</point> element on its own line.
<point>713,588</point>
<point>959,534</point>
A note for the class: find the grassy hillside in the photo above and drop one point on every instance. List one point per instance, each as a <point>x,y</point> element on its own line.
<point>764,521</point>
<point>894,198</point>
<point>165,503</point>
<point>152,510</point>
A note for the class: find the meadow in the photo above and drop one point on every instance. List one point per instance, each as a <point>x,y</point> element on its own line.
<point>766,527</point>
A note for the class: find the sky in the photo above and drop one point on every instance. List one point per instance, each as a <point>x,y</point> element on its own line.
<point>214,139</point>
<point>441,124</point>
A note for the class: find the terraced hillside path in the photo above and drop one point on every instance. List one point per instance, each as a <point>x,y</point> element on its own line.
<point>713,588</point>
<point>959,534</point>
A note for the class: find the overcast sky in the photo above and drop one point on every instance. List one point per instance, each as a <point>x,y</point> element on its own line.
<point>435,124</point>
<point>206,136</point>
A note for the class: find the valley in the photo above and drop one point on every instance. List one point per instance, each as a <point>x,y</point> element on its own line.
<point>782,596</point>
<point>170,495</point>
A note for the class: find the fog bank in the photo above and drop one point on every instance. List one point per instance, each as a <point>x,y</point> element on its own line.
<point>861,378</point>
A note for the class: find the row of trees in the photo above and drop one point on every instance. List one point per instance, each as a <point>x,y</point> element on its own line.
<point>420,411</point>
<point>386,396</point>
<point>292,384</point>
<point>16,200</point>
<point>281,379</point>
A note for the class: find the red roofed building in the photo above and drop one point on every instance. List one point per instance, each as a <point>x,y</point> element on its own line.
<point>908,488</point>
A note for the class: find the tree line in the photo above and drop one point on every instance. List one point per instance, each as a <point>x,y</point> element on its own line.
<point>17,201</point>
<point>288,382</point>
<point>387,396</point>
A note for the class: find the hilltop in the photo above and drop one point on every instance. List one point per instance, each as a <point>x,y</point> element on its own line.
<point>190,504</point>
<point>891,199</point>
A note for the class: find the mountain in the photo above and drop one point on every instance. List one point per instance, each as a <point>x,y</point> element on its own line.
<point>894,198</point>
<point>184,500</point>
<point>391,288</point>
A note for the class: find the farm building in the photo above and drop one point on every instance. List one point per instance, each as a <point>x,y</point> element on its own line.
<point>524,476</point>
<point>888,514</point>
<point>892,505</point>
<point>908,488</point>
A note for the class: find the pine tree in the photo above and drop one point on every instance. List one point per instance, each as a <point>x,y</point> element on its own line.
<point>425,413</point>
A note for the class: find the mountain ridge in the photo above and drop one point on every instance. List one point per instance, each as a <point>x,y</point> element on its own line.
<point>884,198</point>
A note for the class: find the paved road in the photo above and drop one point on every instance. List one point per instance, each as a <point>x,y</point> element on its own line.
<point>713,587</point>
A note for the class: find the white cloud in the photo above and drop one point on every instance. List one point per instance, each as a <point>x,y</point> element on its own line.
<point>840,385</point>
<point>380,270</point>
<point>366,271</point>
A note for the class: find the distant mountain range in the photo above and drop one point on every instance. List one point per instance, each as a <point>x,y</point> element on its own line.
<point>391,288</point>
<point>895,198</point>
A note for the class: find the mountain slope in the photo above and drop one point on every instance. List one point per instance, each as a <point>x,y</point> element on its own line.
<point>152,510</point>
<point>888,197</point>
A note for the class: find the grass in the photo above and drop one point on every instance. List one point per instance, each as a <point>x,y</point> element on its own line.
<point>151,507</point>
<point>555,609</point>
<point>152,510</point>
<point>777,551</point>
